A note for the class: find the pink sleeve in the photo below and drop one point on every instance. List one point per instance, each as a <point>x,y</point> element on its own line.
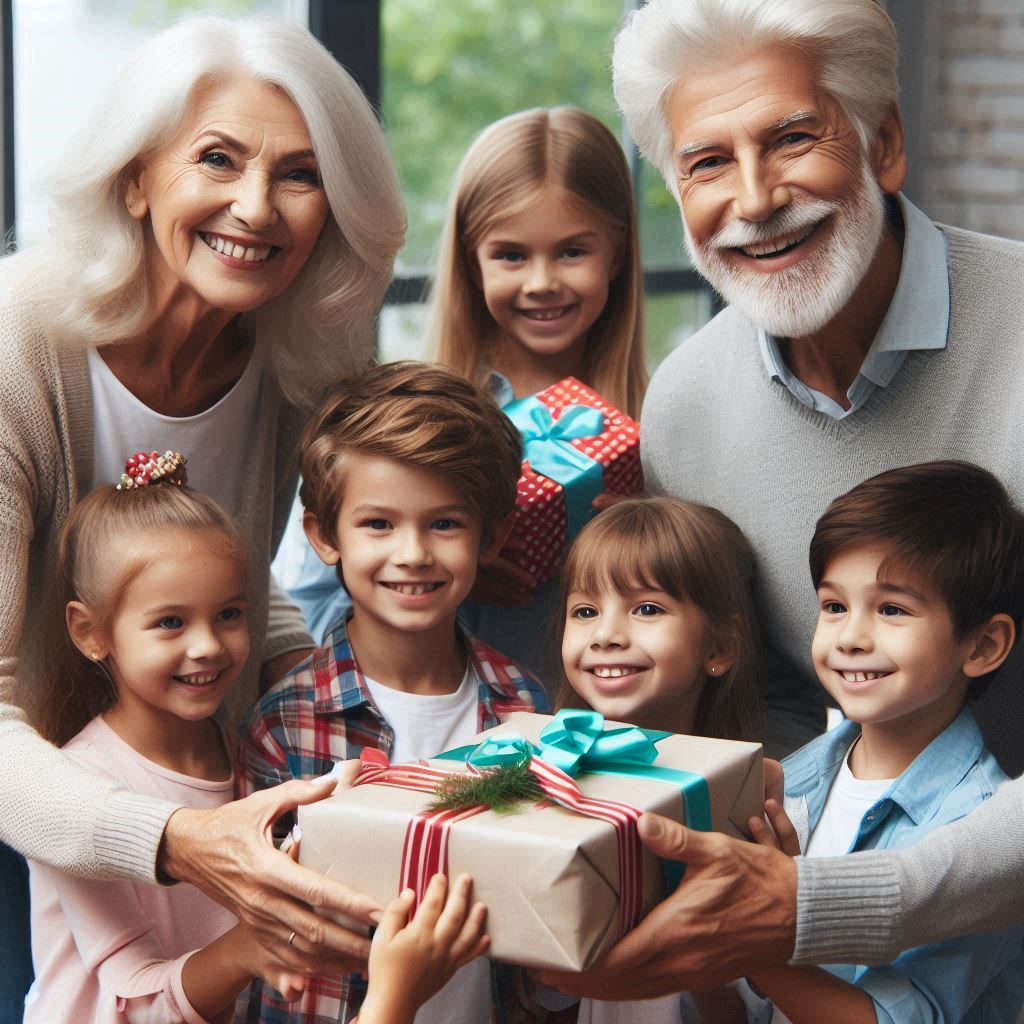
<point>119,947</point>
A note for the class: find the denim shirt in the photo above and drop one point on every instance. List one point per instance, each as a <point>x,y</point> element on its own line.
<point>976,978</point>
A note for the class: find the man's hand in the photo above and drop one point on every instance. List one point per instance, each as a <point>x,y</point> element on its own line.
<point>734,911</point>
<point>228,853</point>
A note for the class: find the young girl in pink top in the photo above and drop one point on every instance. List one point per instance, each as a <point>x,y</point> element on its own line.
<point>150,633</point>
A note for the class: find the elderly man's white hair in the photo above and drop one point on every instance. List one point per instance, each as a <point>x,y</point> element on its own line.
<point>90,275</point>
<point>853,40</point>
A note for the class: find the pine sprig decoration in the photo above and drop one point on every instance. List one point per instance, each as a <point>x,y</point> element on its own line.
<point>500,789</point>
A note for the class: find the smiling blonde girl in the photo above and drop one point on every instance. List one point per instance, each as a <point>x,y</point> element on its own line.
<point>149,634</point>
<point>565,165</point>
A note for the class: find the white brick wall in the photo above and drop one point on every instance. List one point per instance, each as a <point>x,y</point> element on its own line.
<point>975,172</point>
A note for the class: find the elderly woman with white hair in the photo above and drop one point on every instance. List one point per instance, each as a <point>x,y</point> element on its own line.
<point>221,239</point>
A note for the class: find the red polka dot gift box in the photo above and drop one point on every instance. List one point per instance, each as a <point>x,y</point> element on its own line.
<point>576,445</point>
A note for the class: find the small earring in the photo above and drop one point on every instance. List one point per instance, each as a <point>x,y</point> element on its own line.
<point>95,655</point>
<point>713,669</point>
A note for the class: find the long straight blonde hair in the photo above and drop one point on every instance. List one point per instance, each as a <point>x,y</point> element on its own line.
<point>505,169</point>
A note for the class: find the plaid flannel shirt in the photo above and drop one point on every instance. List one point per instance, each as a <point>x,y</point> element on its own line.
<point>320,713</point>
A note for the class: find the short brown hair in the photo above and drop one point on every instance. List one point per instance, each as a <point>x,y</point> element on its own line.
<point>694,553</point>
<point>422,415</point>
<point>950,524</point>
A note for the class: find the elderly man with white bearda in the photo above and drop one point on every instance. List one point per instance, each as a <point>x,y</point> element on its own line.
<point>859,336</point>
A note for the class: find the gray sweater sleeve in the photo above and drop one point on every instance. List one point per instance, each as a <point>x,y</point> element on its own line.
<point>965,877</point>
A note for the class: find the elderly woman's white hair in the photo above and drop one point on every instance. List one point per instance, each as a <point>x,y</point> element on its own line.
<point>90,275</point>
<point>853,40</point>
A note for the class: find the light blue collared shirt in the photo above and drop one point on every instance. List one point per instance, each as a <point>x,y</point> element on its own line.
<point>917,318</point>
<point>973,978</point>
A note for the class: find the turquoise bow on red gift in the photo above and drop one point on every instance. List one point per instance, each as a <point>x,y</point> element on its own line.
<point>546,446</point>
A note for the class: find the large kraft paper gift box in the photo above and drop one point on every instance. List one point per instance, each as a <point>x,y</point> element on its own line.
<point>576,445</point>
<point>550,877</point>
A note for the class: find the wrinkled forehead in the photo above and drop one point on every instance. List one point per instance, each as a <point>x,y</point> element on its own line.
<point>722,100</point>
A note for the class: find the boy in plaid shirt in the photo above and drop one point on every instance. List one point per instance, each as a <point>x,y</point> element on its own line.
<point>409,483</point>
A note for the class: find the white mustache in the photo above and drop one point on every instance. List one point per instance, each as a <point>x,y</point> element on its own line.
<point>787,221</point>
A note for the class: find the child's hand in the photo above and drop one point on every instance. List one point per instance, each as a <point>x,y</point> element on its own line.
<point>412,960</point>
<point>782,835</point>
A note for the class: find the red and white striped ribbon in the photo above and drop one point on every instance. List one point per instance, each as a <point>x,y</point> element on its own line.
<point>425,852</point>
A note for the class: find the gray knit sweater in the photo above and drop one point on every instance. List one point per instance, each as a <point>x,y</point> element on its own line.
<point>866,908</point>
<point>52,810</point>
<point>718,429</point>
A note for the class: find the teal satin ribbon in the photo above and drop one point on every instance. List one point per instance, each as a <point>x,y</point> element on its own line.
<point>577,740</point>
<point>546,446</point>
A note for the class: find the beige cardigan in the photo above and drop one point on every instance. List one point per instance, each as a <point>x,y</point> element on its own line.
<point>51,810</point>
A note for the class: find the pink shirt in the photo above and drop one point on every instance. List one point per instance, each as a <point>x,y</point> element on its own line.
<point>111,952</point>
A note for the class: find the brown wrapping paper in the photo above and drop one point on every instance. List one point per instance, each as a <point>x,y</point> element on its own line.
<point>549,877</point>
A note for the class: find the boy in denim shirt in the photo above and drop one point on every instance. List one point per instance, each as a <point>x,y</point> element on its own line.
<point>920,580</point>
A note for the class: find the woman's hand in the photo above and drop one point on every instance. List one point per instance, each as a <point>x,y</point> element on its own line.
<point>228,853</point>
<point>412,960</point>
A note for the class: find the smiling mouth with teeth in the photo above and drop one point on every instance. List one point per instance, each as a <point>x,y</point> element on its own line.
<point>862,677</point>
<point>552,313</point>
<point>413,589</point>
<point>614,671</point>
<point>249,254</point>
<point>199,678</point>
<point>766,250</point>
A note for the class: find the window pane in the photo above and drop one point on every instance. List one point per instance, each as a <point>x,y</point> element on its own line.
<point>66,53</point>
<point>671,319</point>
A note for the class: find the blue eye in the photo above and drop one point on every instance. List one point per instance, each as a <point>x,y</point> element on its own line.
<point>794,138</point>
<point>510,257</point>
<point>377,524</point>
<point>833,607</point>
<point>573,252</point>
<point>170,622</point>
<point>230,614</point>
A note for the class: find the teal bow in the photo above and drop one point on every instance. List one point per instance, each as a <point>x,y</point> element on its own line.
<point>578,741</point>
<point>546,446</point>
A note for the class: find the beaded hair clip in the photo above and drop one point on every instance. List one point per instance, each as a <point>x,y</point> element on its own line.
<point>145,468</point>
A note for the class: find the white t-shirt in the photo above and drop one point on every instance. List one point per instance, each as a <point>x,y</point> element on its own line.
<point>214,441</point>
<point>425,725</point>
<point>847,802</point>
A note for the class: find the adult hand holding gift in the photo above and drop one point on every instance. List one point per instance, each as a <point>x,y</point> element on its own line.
<point>565,875</point>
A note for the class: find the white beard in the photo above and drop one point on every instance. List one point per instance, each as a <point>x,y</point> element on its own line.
<point>800,299</point>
